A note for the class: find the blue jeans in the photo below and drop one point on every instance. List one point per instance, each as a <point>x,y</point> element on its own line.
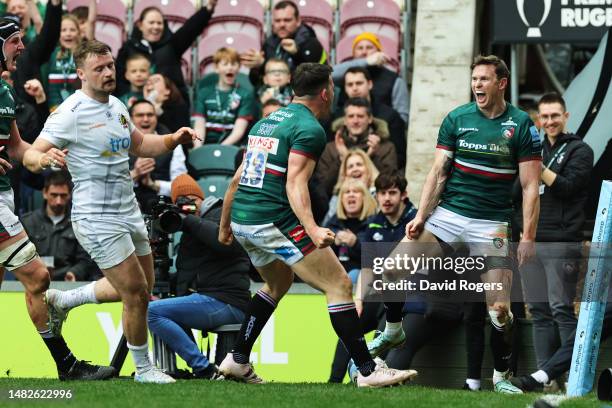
<point>168,318</point>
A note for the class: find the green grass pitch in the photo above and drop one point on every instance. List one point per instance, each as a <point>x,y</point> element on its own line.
<point>201,393</point>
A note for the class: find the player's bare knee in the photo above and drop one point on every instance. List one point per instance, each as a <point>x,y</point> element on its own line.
<point>38,283</point>
<point>342,287</point>
<point>135,294</point>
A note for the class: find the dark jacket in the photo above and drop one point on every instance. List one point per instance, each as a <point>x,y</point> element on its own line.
<point>562,204</point>
<point>354,253</point>
<point>379,229</point>
<point>206,266</point>
<point>385,159</point>
<point>38,52</point>
<point>60,242</point>
<point>165,55</point>
<point>309,50</point>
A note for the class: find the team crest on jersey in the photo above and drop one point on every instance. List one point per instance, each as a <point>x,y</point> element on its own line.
<point>498,243</point>
<point>123,120</point>
<point>508,132</point>
<point>234,101</point>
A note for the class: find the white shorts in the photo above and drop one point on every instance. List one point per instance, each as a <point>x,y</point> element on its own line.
<point>9,222</point>
<point>484,237</point>
<point>286,241</point>
<point>110,241</point>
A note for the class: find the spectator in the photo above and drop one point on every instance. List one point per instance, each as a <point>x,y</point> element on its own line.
<point>152,177</point>
<point>50,230</point>
<point>388,87</point>
<point>30,14</point>
<point>171,109</point>
<point>39,51</point>
<point>271,105</point>
<point>356,165</point>
<point>358,84</point>
<point>137,73</point>
<point>62,78</point>
<point>212,281</point>
<point>152,37</point>
<point>291,41</point>
<point>223,111</point>
<point>276,82</point>
<point>549,279</point>
<point>86,15</point>
<point>354,206</point>
<point>358,129</point>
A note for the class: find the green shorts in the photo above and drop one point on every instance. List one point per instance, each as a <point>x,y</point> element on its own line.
<point>285,240</point>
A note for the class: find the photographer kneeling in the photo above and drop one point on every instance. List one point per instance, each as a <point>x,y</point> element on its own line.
<point>212,281</point>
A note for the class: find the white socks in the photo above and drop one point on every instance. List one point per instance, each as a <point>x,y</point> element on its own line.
<point>140,354</point>
<point>499,376</point>
<point>541,377</point>
<point>77,297</point>
<point>473,384</point>
<point>393,329</point>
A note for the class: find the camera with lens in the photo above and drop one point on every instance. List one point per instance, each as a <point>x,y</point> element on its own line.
<point>168,217</point>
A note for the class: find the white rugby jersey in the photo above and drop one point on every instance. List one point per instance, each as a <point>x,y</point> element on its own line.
<point>97,136</point>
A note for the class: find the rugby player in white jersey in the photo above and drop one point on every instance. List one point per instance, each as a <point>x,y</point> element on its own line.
<point>93,129</point>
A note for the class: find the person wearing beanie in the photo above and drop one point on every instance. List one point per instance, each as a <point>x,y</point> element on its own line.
<point>389,88</point>
<point>212,284</point>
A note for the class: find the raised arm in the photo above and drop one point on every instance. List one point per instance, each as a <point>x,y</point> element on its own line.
<point>92,14</point>
<point>186,35</point>
<point>151,145</point>
<point>529,175</point>
<point>299,171</point>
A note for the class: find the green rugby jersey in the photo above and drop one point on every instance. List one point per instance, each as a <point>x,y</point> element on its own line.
<point>62,79</point>
<point>222,108</point>
<point>7,116</point>
<point>486,157</point>
<point>262,197</point>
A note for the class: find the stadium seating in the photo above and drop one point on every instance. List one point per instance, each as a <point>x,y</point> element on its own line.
<point>110,21</point>
<point>213,160</point>
<point>211,43</point>
<point>382,17</point>
<point>214,186</point>
<point>344,50</point>
<point>237,16</point>
<point>174,11</point>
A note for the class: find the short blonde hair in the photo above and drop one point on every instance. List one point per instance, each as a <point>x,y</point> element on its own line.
<point>368,207</point>
<point>369,165</point>
<point>226,54</point>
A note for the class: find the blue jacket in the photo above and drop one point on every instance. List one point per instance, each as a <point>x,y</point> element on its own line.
<point>379,228</point>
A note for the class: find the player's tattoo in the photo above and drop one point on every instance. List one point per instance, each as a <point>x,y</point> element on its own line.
<point>446,166</point>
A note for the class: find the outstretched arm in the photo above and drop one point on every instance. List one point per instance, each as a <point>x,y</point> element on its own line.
<point>151,145</point>
<point>42,155</point>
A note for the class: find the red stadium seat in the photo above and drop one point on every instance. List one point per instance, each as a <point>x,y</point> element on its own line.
<point>173,10</point>
<point>318,14</point>
<point>108,10</point>
<point>344,50</point>
<point>382,17</point>
<point>237,16</point>
<point>111,35</point>
<point>211,43</point>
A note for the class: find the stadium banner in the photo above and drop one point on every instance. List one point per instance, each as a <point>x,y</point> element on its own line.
<point>547,21</point>
<point>297,344</point>
<point>595,294</point>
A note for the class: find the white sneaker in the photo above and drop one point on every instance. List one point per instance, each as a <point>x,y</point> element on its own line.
<point>153,376</point>
<point>231,370</point>
<point>56,315</point>
<point>384,377</point>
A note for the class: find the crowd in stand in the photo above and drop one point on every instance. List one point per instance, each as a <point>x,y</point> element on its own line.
<point>358,189</point>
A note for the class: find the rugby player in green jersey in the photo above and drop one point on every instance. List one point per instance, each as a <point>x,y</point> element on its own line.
<point>466,200</point>
<point>271,217</point>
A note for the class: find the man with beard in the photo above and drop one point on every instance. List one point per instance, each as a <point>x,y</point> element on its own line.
<point>95,127</point>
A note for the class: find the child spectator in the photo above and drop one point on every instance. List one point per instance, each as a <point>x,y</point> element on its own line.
<point>61,70</point>
<point>276,82</point>
<point>137,73</point>
<point>87,19</point>
<point>223,111</point>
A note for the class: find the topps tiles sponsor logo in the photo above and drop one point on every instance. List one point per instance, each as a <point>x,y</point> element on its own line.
<point>7,111</point>
<point>462,129</point>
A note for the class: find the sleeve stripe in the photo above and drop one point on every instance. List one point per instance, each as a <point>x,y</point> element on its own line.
<point>303,153</point>
<point>197,114</point>
<point>441,146</point>
<point>530,158</point>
